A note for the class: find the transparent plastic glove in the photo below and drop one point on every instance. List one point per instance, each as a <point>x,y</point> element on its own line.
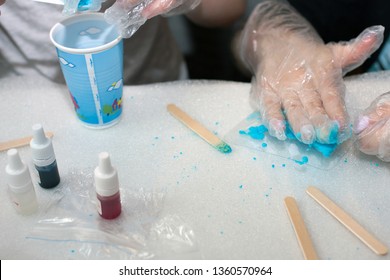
<point>130,15</point>
<point>74,6</point>
<point>372,128</point>
<point>297,78</point>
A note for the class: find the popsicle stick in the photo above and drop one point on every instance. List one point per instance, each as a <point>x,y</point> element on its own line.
<point>199,129</point>
<point>367,238</point>
<point>20,142</point>
<point>300,229</point>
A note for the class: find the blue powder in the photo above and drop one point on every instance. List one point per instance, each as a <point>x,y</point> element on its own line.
<point>264,145</point>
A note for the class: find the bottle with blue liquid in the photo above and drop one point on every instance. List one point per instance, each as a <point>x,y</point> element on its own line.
<point>44,158</point>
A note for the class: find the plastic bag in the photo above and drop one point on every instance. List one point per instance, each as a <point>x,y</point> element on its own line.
<point>140,232</point>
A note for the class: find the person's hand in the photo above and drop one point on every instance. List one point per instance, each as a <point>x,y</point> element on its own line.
<point>129,15</point>
<point>372,128</point>
<point>298,80</point>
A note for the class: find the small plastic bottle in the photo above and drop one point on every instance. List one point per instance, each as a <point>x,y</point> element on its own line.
<point>107,188</point>
<point>20,186</point>
<point>44,158</point>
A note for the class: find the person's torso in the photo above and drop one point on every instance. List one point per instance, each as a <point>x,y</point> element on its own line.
<point>151,55</point>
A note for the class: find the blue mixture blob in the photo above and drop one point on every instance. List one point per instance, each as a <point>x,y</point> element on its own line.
<point>258,133</point>
<point>303,161</point>
<point>333,134</point>
<point>325,149</point>
<point>255,132</point>
<point>85,5</point>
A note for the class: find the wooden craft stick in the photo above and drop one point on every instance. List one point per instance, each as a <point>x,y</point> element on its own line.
<point>300,229</point>
<point>20,142</point>
<point>199,129</point>
<point>367,238</point>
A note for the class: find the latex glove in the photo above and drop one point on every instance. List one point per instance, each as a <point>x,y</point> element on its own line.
<point>372,128</point>
<point>130,15</point>
<point>74,6</point>
<point>298,78</point>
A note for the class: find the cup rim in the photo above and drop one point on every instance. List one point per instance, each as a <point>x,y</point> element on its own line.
<point>85,50</point>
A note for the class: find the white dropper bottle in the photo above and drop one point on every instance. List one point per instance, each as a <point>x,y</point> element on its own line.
<point>21,188</point>
<point>44,158</point>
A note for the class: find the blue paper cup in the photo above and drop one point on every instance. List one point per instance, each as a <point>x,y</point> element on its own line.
<point>90,52</point>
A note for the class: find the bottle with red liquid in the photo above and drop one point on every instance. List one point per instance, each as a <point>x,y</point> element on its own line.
<point>107,188</point>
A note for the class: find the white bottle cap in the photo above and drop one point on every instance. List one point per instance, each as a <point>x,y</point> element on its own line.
<point>41,147</point>
<point>18,175</point>
<point>106,176</point>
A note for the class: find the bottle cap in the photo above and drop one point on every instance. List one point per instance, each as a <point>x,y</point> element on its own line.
<point>18,174</point>
<point>41,147</point>
<point>106,176</point>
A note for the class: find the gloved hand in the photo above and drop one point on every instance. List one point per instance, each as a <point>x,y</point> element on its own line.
<point>73,6</point>
<point>298,78</point>
<point>129,15</point>
<point>372,128</point>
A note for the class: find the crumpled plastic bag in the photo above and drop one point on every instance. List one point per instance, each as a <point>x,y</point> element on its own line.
<point>140,232</point>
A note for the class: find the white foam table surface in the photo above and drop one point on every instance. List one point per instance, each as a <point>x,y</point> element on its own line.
<point>232,204</point>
